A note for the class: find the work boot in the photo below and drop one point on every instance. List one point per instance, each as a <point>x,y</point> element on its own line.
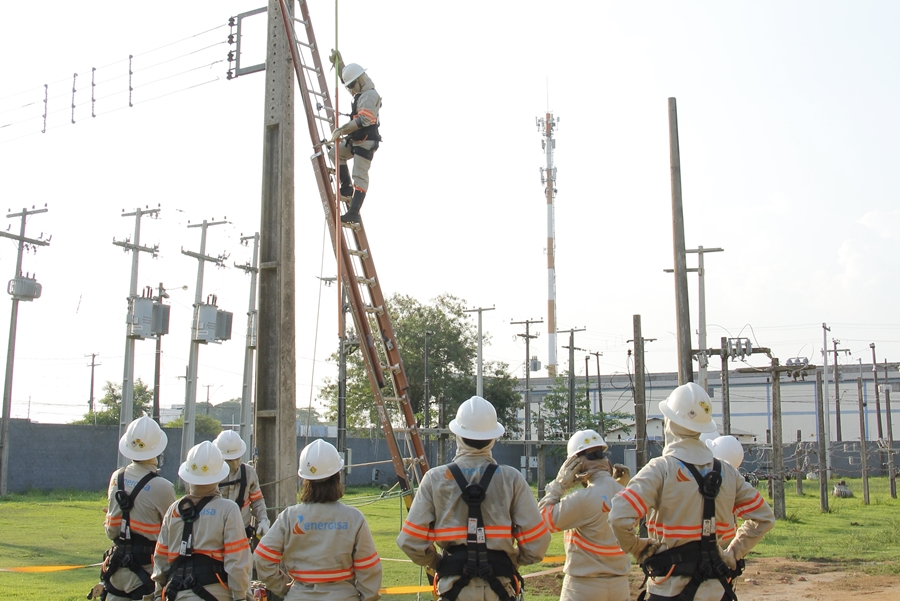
<point>352,214</point>
<point>346,183</point>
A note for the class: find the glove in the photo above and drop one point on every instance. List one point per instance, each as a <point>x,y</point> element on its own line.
<point>622,474</point>
<point>728,557</point>
<point>644,548</point>
<point>261,528</point>
<point>335,135</point>
<point>335,59</point>
<point>568,472</point>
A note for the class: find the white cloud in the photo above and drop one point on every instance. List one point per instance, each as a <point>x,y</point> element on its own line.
<point>885,224</point>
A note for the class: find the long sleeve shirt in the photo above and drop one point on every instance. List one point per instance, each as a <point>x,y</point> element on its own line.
<point>320,551</point>
<point>591,548</point>
<point>253,504</point>
<point>666,492</point>
<point>150,505</point>
<point>218,533</point>
<point>439,516</point>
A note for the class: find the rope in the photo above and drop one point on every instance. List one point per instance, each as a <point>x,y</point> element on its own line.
<point>312,374</point>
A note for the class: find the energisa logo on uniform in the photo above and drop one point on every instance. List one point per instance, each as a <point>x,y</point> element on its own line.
<point>305,527</point>
<point>133,483</point>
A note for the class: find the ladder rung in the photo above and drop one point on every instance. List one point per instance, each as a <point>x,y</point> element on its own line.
<point>353,225</point>
<point>310,46</point>
<point>395,368</point>
<point>328,119</point>
<point>379,310</point>
<point>305,23</point>
<point>362,254</point>
<point>391,399</point>
<point>370,282</point>
<point>313,69</point>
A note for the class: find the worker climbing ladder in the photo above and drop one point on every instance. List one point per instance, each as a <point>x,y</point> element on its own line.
<point>355,262</point>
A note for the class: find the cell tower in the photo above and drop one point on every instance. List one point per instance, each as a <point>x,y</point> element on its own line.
<point>546,125</point>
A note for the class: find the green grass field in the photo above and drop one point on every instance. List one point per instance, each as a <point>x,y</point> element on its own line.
<point>66,528</point>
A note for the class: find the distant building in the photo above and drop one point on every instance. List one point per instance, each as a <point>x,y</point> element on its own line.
<point>656,431</point>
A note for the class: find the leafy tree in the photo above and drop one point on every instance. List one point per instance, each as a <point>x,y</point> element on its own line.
<point>111,403</point>
<point>203,424</point>
<point>555,411</point>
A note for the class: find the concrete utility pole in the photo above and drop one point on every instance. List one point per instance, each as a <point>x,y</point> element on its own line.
<point>276,362</point>
<point>864,460</point>
<point>597,356</point>
<point>822,447</point>
<point>126,410</point>
<point>527,336</point>
<point>252,268</point>
<point>479,381</point>
<point>825,330</point>
<point>877,398</point>
<point>93,364</point>
<point>162,294</point>
<point>682,305</point>
<point>640,399</point>
<point>890,436</point>
<point>572,348</point>
<point>21,288</point>
<point>702,358</point>
<point>837,389</point>
<point>190,398</point>
<point>547,125</point>
<point>726,393</point>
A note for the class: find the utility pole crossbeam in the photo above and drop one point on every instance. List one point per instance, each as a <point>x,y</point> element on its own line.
<point>526,435</point>
<point>190,398</point>
<point>572,348</point>
<point>479,378</point>
<point>21,288</point>
<point>547,125</point>
<point>126,410</point>
<point>247,421</point>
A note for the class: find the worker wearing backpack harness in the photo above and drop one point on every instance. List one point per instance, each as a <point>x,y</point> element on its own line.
<point>596,567</point>
<point>361,133</point>
<point>202,553</point>
<point>320,548</point>
<point>475,510</point>
<point>690,497</point>
<point>241,485</point>
<point>138,499</point>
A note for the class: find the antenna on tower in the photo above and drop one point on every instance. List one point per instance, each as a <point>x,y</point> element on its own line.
<point>546,125</point>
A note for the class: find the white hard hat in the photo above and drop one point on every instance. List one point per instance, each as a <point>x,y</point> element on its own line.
<point>319,460</point>
<point>727,448</point>
<point>143,439</point>
<point>231,445</point>
<point>584,440</point>
<point>351,72</point>
<point>204,465</point>
<point>689,407</point>
<point>476,419</point>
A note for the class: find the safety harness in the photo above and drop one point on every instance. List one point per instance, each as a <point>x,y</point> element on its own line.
<point>189,571</point>
<point>242,480</point>
<point>474,559</point>
<point>129,550</point>
<point>363,134</point>
<point>699,559</point>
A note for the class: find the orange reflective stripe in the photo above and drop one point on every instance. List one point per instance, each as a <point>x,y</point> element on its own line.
<point>321,575</point>
<point>751,505</point>
<point>585,545</point>
<point>144,528</point>
<point>255,495</point>
<point>536,532</point>
<point>635,501</point>
<point>367,562</point>
<point>547,514</point>
<point>267,553</point>
<point>237,546</point>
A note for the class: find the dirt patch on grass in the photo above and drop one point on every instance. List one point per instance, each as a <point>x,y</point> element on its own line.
<point>776,579</point>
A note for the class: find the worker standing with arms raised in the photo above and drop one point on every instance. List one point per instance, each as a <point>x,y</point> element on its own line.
<point>596,567</point>
<point>202,553</point>
<point>361,133</point>
<point>483,516</point>
<point>138,500</point>
<point>692,497</point>
<point>241,485</point>
<point>324,547</point>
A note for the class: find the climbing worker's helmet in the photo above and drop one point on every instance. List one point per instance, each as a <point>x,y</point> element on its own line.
<point>585,440</point>
<point>319,460</point>
<point>476,419</point>
<point>231,445</point>
<point>689,407</point>
<point>143,439</point>
<point>728,449</point>
<point>351,73</point>
<point>204,465</point>
<point>707,436</point>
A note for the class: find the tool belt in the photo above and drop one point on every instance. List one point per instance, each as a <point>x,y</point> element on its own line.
<point>194,574</point>
<point>684,560</point>
<point>455,558</point>
<point>367,154</point>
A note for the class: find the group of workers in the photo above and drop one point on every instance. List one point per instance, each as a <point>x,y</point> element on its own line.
<point>472,524</point>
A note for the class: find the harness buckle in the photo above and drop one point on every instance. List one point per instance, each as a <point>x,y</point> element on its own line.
<point>124,500</point>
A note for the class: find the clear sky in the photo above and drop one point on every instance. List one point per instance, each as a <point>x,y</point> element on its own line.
<point>788,128</point>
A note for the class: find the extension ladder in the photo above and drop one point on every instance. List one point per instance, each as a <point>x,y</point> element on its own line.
<point>356,265</point>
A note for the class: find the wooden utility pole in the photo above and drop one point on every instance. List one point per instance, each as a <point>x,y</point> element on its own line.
<point>777,449</point>
<point>837,389</point>
<point>528,336</point>
<point>726,393</point>
<point>682,308</point>
<point>890,438</point>
<point>801,460</point>
<point>276,436</point>
<point>640,409</point>
<point>820,437</point>
<point>877,399</point>
<point>864,461</point>
<point>597,356</point>
<point>572,348</point>
<point>542,456</point>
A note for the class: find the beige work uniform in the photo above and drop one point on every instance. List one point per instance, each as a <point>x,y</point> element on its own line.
<point>150,507</point>
<point>217,533</point>
<point>596,567</point>
<point>253,504</point>
<point>438,514</point>
<point>368,105</point>
<point>320,551</point>
<point>666,492</point>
